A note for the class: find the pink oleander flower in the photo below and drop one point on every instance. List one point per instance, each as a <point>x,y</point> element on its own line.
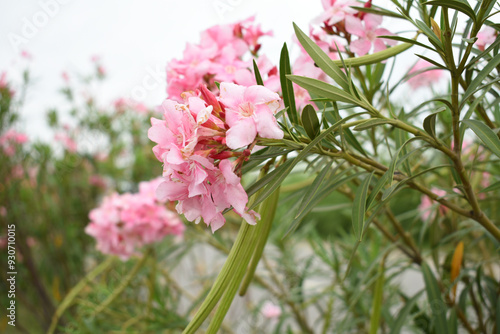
<point>97,181</point>
<point>65,76</point>
<point>11,140</point>
<point>124,223</point>
<point>67,142</point>
<point>121,104</point>
<point>426,205</point>
<point>222,55</point>
<point>337,11</point>
<point>196,138</point>
<point>367,30</point>
<point>249,111</point>
<point>271,311</point>
<point>426,74</point>
<point>485,37</point>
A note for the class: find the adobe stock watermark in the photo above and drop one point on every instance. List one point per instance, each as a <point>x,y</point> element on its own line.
<point>154,78</point>
<point>222,7</point>
<point>31,25</point>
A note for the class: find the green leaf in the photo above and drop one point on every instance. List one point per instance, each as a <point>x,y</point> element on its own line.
<point>310,121</point>
<point>487,136</point>
<point>378,11</point>
<point>278,179</point>
<point>491,187</point>
<point>430,123</point>
<point>258,77</point>
<point>370,123</point>
<point>403,314</point>
<point>453,322</point>
<point>430,34</point>
<point>461,6</point>
<point>313,188</point>
<point>377,300</point>
<point>324,89</point>
<point>322,194</point>
<point>497,315</point>
<point>359,207</point>
<point>322,59</point>
<point>435,300</point>
<point>407,40</point>
<point>492,64</point>
<point>287,87</point>
<point>262,182</point>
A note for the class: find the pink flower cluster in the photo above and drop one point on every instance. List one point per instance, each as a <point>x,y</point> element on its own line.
<point>10,140</point>
<point>124,223</point>
<point>195,140</point>
<point>340,19</point>
<point>222,55</point>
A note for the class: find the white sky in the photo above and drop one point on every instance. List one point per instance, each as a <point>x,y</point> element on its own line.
<point>132,38</point>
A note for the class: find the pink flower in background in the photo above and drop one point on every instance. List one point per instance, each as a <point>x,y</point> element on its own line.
<point>97,181</point>
<point>125,223</point>
<point>426,205</point>
<point>367,30</point>
<point>11,140</point>
<point>425,77</point>
<point>270,310</point>
<point>67,142</point>
<point>249,111</point>
<point>337,11</point>
<point>122,104</point>
<point>3,211</point>
<point>485,37</point>
<point>65,76</point>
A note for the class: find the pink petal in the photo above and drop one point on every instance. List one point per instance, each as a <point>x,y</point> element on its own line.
<point>354,26</point>
<point>372,21</point>
<point>242,134</point>
<point>231,94</point>
<point>266,123</point>
<point>259,94</point>
<point>361,46</point>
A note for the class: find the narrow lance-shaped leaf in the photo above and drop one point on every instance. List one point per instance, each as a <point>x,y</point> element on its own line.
<point>258,77</point>
<point>402,317</point>
<point>324,89</point>
<point>460,6</point>
<point>487,136</point>
<point>287,86</point>
<point>434,297</point>
<point>377,300</point>
<point>492,64</point>
<point>359,207</point>
<point>276,182</point>
<point>322,59</point>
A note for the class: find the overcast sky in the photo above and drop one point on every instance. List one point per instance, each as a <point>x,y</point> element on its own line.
<point>133,38</point>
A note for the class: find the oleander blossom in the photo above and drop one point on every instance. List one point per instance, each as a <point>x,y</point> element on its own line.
<point>124,223</point>
<point>485,37</point>
<point>195,141</point>
<point>224,54</point>
<point>368,31</point>
<point>424,74</point>
<point>427,208</point>
<point>11,140</point>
